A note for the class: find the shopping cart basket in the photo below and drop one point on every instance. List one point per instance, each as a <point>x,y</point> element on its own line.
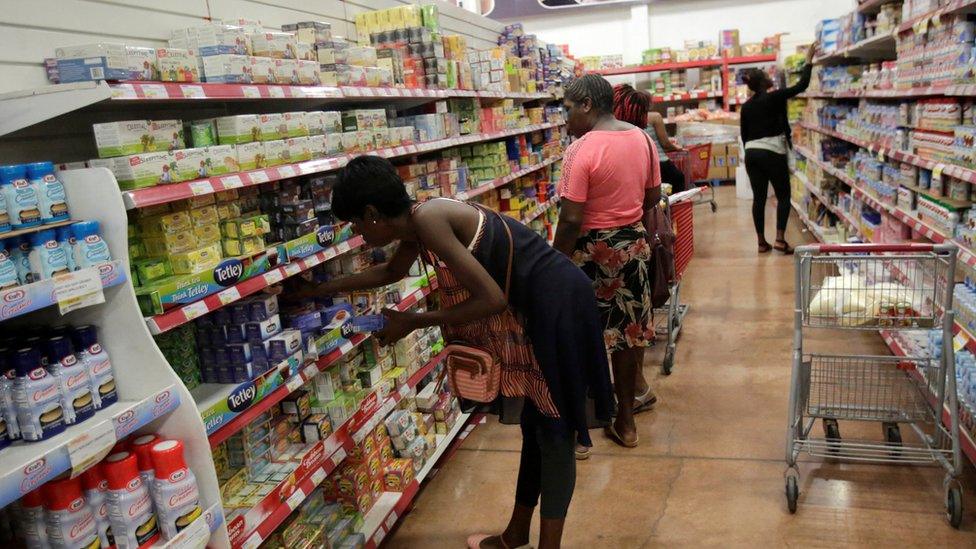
<point>673,312</point>
<point>875,287</point>
<point>693,163</point>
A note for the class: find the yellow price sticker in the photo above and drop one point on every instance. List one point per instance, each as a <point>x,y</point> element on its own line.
<point>937,171</point>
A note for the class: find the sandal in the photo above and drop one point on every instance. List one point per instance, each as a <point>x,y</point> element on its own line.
<point>764,248</point>
<point>474,542</point>
<point>645,402</point>
<point>785,248</point>
<point>582,452</point>
<point>612,433</point>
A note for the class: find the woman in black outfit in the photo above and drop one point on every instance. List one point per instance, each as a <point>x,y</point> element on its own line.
<point>766,136</point>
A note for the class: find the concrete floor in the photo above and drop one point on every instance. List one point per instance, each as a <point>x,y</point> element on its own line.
<point>709,469</point>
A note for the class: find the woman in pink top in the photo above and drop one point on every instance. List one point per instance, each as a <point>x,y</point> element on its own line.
<point>611,181</point>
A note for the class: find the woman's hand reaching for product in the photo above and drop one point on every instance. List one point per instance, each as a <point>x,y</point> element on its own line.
<point>398,325</point>
<point>812,51</point>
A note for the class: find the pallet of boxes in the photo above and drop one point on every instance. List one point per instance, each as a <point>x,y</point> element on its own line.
<point>723,136</point>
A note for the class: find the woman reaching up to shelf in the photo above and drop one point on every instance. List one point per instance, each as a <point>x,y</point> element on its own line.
<point>502,289</point>
<point>633,107</point>
<point>766,136</point>
<point>611,183</point>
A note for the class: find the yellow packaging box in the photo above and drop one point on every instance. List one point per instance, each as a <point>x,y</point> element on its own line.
<point>195,261</point>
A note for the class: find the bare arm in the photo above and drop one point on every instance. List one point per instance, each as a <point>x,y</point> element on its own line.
<point>570,226</point>
<point>657,122</point>
<point>380,275</point>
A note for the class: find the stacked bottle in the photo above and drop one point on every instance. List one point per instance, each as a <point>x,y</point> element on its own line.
<point>46,253</point>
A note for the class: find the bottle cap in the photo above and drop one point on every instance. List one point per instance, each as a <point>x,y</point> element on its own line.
<point>63,494</point>
<point>40,237</point>
<point>120,446</point>
<point>81,229</point>
<point>141,447</point>
<point>167,457</point>
<point>39,169</point>
<point>56,348</point>
<point>84,336</point>
<point>32,499</point>
<point>12,172</point>
<point>120,469</point>
<point>93,478</point>
<point>26,360</point>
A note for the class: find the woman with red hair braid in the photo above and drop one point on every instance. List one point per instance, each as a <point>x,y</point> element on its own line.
<point>633,106</point>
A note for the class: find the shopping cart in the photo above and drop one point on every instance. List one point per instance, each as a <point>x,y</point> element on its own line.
<point>693,163</point>
<point>875,287</point>
<point>682,210</point>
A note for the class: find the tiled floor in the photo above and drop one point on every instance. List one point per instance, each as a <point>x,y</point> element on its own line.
<point>709,470</point>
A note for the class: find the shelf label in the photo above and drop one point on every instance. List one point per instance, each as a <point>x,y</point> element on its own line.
<point>294,383</point>
<point>391,520</point>
<point>91,446</point>
<point>295,499</point>
<point>253,542</point>
<point>195,310</point>
<point>276,91</point>
<point>378,536</point>
<point>229,295</point>
<point>310,371</point>
<point>198,188</point>
<point>124,91</point>
<point>78,289</point>
<point>259,176</point>
<point>231,182</point>
<point>339,456</point>
<point>154,91</point>
<point>318,476</point>
<point>251,92</point>
<point>286,171</point>
<point>273,277</point>
<point>292,269</point>
<point>192,92</point>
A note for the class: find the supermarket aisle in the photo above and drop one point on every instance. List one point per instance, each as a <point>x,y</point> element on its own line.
<point>709,468</point>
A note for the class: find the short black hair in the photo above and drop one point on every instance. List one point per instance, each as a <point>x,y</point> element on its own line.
<point>596,88</point>
<point>756,79</point>
<point>369,181</point>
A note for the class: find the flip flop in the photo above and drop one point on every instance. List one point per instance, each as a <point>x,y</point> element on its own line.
<point>582,452</point>
<point>474,541</point>
<point>611,432</point>
<point>645,402</point>
<point>785,249</point>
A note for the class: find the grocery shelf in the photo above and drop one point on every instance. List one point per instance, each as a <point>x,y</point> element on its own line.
<point>877,48</point>
<point>197,534</point>
<point>28,298</point>
<point>954,7</point>
<point>390,506</point>
<point>714,62</point>
<point>841,214</point>
<point>24,108</point>
<point>540,209</point>
<point>28,465</point>
<point>178,316</point>
<point>871,6</point>
<point>502,181</point>
<point>686,96</point>
<point>161,194</point>
<point>815,229</point>
<point>38,228</point>
<point>252,528</point>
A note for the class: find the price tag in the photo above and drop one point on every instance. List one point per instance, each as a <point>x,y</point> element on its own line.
<point>251,92</point>
<point>154,91</point>
<point>391,520</point>
<point>229,295</point>
<point>195,310</point>
<point>286,171</point>
<point>124,91</point>
<point>292,269</point>
<point>339,456</point>
<point>90,446</point>
<point>294,383</point>
<point>276,91</point>
<point>273,277</point>
<point>78,289</point>
<point>253,542</point>
<point>194,536</point>
<point>959,342</point>
<point>378,536</point>
<point>295,499</point>
<point>297,91</point>
<point>318,476</point>
<point>404,391</point>
<point>192,92</point>
<point>198,188</point>
<point>310,371</point>
<point>231,182</point>
<point>259,176</point>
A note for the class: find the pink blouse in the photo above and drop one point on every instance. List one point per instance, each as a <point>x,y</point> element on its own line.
<point>609,171</point>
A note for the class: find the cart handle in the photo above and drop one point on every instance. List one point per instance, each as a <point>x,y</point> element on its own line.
<point>875,248</point>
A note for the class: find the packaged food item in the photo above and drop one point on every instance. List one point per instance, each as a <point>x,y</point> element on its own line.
<point>8,271</point>
<point>195,261</point>
<point>294,124</point>
<point>276,152</point>
<point>177,65</point>
<point>227,68</point>
<point>166,134</point>
<point>278,45</point>
<point>141,170</point>
<point>21,197</point>
<point>299,149</point>
<point>222,159</point>
<point>95,488</point>
<point>141,446</point>
<point>130,505</point>
<point>192,163</point>
<point>309,72</point>
<point>77,400</point>
<point>88,62</point>
<point>4,214</point>
<point>124,138</point>
<point>251,156</point>
<point>286,71</point>
<point>203,133</point>
<point>47,257</point>
<point>33,527</point>
<point>142,63</point>
<point>176,494</point>
<point>242,128</point>
<point>70,523</point>
<point>262,70</point>
<point>98,363</point>
<point>52,199</point>
<point>89,248</point>
<point>273,126</point>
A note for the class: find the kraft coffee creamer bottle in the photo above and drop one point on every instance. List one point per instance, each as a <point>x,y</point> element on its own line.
<point>8,268</point>
<point>51,197</point>
<point>20,249</point>
<point>47,257</point>
<point>94,357</point>
<point>76,387</point>
<point>142,447</point>
<point>96,490</point>
<point>177,496</point>
<point>7,406</point>
<point>70,522</point>
<point>66,239</point>
<point>130,507</point>
<point>33,525</point>
<point>89,248</point>
<point>37,396</point>
<point>21,197</point>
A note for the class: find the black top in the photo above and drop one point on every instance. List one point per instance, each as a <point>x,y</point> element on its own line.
<point>764,114</point>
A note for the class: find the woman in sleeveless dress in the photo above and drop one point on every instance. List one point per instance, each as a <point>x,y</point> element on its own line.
<point>546,332</point>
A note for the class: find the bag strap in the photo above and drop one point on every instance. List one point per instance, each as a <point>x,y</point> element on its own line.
<point>511,247</point>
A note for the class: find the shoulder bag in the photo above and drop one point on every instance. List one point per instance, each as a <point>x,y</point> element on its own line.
<point>661,239</point>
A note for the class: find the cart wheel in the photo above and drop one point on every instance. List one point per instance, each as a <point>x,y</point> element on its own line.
<point>792,493</point>
<point>893,437</point>
<point>832,434</point>
<point>668,363</point>
<point>954,506</point>
<point>714,207</point>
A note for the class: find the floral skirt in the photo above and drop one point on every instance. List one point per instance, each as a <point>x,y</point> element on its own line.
<point>616,261</point>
